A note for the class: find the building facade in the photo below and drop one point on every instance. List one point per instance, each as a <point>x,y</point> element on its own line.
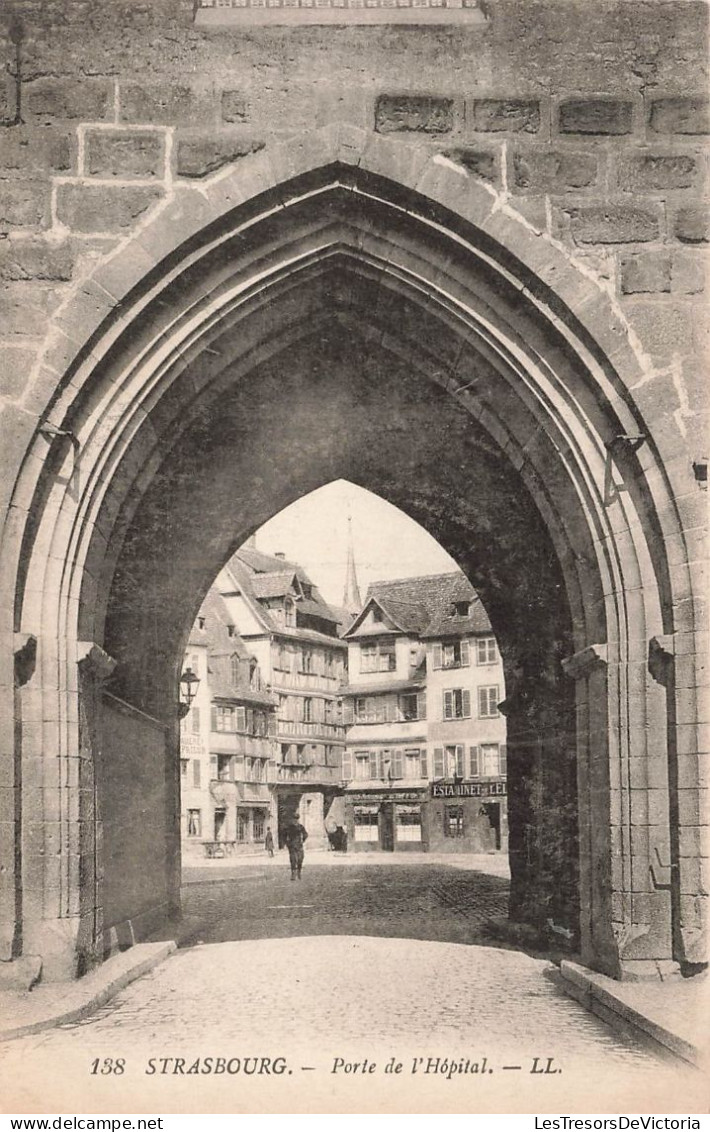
<point>227,746</point>
<point>293,634</point>
<point>425,760</point>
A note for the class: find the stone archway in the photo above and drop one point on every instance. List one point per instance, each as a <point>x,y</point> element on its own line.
<point>344,237</point>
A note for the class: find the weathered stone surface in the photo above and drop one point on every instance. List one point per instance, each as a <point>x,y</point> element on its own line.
<point>657,171</point>
<point>15,368</point>
<point>680,116</point>
<point>689,272</point>
<point>36,259</point>
<point>494,115</point>
<point>554,171</point>
<point>124,154</point>
<point>234,106</point>
<point>24,310</point>
<point>414,113</point>
<point>7,100</point>
<point>480,163</point>
<point>23,204</point>
<point>200,156</point>
<point>595,116</point>
<point>170,104</point>
<point>692,225</point>
<point>88,208</point>
<point>646,273</point>
<point>47,100</point>
<point>613,224</point>
<point>34,152</point>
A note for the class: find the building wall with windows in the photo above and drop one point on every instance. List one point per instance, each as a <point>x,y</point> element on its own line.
<point>425,761</point>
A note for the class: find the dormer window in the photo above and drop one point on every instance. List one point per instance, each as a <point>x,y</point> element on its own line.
<point>289,613</point>
<point>460,609</point>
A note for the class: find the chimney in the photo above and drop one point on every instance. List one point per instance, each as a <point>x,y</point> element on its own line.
<point>279,554</point>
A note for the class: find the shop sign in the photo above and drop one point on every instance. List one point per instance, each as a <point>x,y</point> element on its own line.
<point>466,789</point>
<point>386,796</point>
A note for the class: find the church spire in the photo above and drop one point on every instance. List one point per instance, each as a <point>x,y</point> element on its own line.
<point>351,594</point>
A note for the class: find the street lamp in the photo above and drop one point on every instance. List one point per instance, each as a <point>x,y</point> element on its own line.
<point>189,683</point>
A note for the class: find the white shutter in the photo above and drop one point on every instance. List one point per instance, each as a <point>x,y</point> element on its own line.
<point>464,654</point>
<point>437,657</point>
<point>448,705</point>
<point>347,766</point>
<point>482,702</point>
<point>423,763</point>
<point>460,768</point>
<point>466,703</point>
<point>438,762</point>
<point>421,705</point>
<point>473,762</point>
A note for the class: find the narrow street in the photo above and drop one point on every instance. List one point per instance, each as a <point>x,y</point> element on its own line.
<point>362,962</point>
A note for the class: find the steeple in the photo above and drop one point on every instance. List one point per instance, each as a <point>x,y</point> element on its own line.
<point>351,594</point>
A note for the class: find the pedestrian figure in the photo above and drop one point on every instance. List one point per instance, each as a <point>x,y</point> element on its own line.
<point>269,841</point>
<point>295,837</point>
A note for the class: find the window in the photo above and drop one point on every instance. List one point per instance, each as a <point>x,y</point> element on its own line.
<point>329,663</point>
<point>223,719</point>
<point>243,824</point>
<point>379,657</point>
<point>490,760</point>
<point>234,666</point>
<point>194,823</point>
<point>307,661</point>
<point>308,710</point>
<point>460,608</point>
<point>473,762</point>
<point>241,719</point>
<point>362,764</point>
<point>413,764</point>
<point>366,828</point>
<point>451,654</point>
<point>488,702</point>
<point>486,652</point>
<point>413,706</point>
<point>224,768</point>
<point>438,762</point>
<point>259,824</point>
<point>453,821</point>
<point>408,823</point>
<point>457,704</point>
<point>196,772</point>
<point>183,767</point>
<point>346,769</point>
<point>195,721</point>
<point>397,764</point>
<point>289,614</point>
<point>454,761</point>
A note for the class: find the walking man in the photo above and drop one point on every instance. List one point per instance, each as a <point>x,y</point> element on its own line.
<point>269,841</point>
<point>296,835</point>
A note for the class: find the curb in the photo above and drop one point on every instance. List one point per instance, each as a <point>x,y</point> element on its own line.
<point>69,1003</point>
<point>605,998</point>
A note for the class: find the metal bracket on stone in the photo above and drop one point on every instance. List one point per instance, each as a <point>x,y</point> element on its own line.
<point>50,432</point>
<point>25,658</point>
<point>94,662</point>
<point>661,658</point>
<point>581,664</point>
<point>617,449</point>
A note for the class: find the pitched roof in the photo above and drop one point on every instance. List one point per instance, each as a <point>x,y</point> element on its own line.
<point>260,576</point>
<point>222,645</point>
<point>272,585</point>
<point>424,605</point>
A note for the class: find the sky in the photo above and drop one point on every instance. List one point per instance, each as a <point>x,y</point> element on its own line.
<point>313,531</point>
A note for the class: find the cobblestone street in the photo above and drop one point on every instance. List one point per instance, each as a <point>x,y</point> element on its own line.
<point>302,972</point>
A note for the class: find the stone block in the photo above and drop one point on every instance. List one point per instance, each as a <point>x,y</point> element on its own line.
<point>104,208</point>
<point>496,115</point>
<point>552,171</point>
<point>689,271</point>
<point>15,368</point>
<point>36,259</point>
<point>479,163</point>
<point>691,225</point>
<point>24,309</point>
<point>613,224</point>
<point>8,101</point>
<point>165,104</point>
<point>680,116</point>
<point>234,106</point>
<point>414,113</point>
<point>650,172</point>
<point>200,156</point>
<point>46,101</point>
<point>35,152</point>
<point>124,154</point>
<point>647,272</point>
<point>601,116</point>
<point>24,204</point>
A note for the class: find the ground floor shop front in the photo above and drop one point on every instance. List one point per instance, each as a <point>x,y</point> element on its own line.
<point>443,816</point>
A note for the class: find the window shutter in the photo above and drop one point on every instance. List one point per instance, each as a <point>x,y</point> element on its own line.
<point>397,764</point>
<point>347,764</point>
<point>482,702</point>
<point>438,663</point>
<point>438,762</point>
<point>474,762</point>
<point>466,703</point>
<point>464,654</point>
<point>347,712</point>
<point>448,705</point>
<point>250,720</point>
<point>372,755</point>
<point>503,759</point>
<point>423,764</point>
<point>460,768</point>
<point>421,705</point>
<point>213,718</point>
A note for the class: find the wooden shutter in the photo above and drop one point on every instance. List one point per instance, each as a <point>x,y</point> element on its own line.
<point>423,763</point>
<point>503,760</point>
<point>464,654</point>
<point>465,703</point>
<point>438,762</point>
<point>250,720</point>
<point>397,764</point>
<point>213,718</point>
<point>483,702</point>
<point>437,660</point>
<point>421,705</point>
<point>474,762</point>
<point>448,705</point>
<point>460,767</point>
<point>372,756</point>
<point>348,712</point>
<point>347,766</point>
